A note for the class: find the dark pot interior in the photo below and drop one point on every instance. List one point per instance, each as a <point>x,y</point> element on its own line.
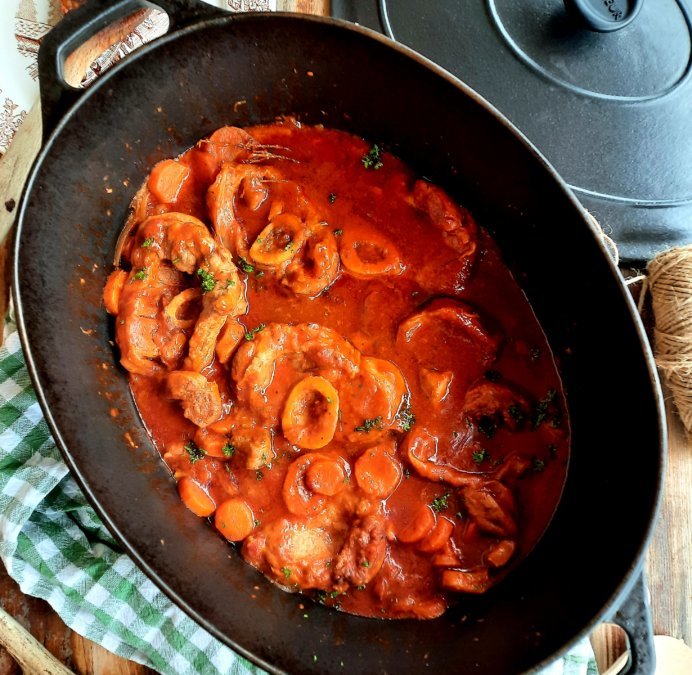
<point>182,88</point>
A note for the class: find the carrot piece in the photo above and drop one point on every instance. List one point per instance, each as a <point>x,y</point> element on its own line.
<point>195,498</point>
<point>501,553</point>
<point>234,519</point>
<point>377,472</point>
<point>311,413</point>
<point>114,287</point>
<point>438,537</point>
<point>421,525</point>
<point>223,426</point>
<point>299,500</point>
<point>229,339</point>
<point>465,582</point>
<point>213,443</point>
<point>325,477</point>
<point>166,180</point>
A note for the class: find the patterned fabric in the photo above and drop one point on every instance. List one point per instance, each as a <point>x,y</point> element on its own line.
<point>54,545</point>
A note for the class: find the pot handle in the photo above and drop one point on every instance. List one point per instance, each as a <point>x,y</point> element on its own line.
<point>634,617</point>
<point>57,96</point>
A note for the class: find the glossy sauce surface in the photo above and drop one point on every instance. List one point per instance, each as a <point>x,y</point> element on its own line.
<point>355,389</point>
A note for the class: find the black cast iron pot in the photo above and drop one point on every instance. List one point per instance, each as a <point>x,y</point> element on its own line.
<point>99,146</point>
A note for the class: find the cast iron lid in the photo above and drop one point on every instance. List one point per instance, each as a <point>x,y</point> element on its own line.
<point>602,87</point>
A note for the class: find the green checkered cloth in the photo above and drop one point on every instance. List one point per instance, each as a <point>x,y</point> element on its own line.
<point>56,548</point>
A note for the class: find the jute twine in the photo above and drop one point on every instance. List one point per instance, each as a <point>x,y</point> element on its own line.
<point>670,285</point>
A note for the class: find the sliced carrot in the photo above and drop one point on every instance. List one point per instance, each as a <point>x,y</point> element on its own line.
<point>465,582</point>
<point>377,472</point>
<point>227,143</point>
<point>234,519</point>
<point>195,498</point>
<point>223,426</point>
<point>213,443</point>
<point>421,525</point>
<point>438,537</point>
<point>166,180</point>
<point>501,553</point>
<point>447,557</point>
<point>114,287</point>
<point>229,339</point>
<point>326,477</point>
<point>311,413</point>
<point>299,500</point>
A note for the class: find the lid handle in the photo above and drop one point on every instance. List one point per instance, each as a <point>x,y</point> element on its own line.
<point>603,16</point>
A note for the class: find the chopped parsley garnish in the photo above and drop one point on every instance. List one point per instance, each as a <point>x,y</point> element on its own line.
<point>369,424</point>
<point>440,503</point>
<point>487,426</point>
<point>492,376</point>
<point>250,334</point>
<point>246,266</point>
<point>373,158</point>
<point>208,282</point>
<point>228,450</point>
<point>407,473</point>
<point>332,197</point>
<point>259,273</point>
<point>141,275</point>
<point>516,413</point>
<point>147,242</point>
<point>406,418</point>
<point>229,283</point>
<point>259,475</point>
<point>365,563</point>
<point>479,456</point>
<point>538,464</point>
<point>360,587</point>
<point>286,572</point>
<point>194,452</point>
<point>541,410</point>
<point>338,233</point>
<point>257,523</point>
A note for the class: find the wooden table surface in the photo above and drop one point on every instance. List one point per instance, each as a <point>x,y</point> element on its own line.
<point>669,562</point>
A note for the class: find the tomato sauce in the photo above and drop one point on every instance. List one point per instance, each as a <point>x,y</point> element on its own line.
<point>339,369</point>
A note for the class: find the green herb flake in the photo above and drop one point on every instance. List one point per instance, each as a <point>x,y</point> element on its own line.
<point>332,197</point>
<point>361,587</point>
<point>440,503</point>
<point>141,275</point>
<point>250,334</point>
<point>487,426</point>
<point>369,425</point>
<point>257,523</point>
<point>538,464</point>
<point>147,242</point>
<point>259,274</point>
<point>246,266</point>
<point>407,473</point>
<point>208,282</point>
<point>314,658</point>
<point>373,158</point>
<point>228,450</point>
<point>365,563</point>
<point>516,413</point>
<point>229,283</point>
<point>286,572</point>
<point>194,452</point>
<point>541,410</point>
<point>338,233</point>
<point>406,418</point>
<point>479,456</point>
<point>259,475</point>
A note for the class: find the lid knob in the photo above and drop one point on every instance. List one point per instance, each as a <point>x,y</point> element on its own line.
<point>604,16</point>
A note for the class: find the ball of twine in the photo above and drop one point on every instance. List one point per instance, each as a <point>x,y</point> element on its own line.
<point>670,285</point>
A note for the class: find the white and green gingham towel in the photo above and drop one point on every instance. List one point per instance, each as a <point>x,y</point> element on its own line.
<point>55,546</point>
